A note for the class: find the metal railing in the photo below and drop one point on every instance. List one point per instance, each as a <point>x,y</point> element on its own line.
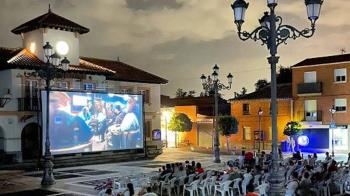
<point>310,88</point>
<point>29,104</point>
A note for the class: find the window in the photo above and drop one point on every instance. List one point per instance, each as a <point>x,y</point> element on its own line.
<point>245,109</point>
<point>340,75</point>
<point>146,95</point>
<point>88,86</point>
<point>310,77</point>
<point>340,105</point>
<point>247,133</point>
<point>62,85</point>
<point>310,108</point>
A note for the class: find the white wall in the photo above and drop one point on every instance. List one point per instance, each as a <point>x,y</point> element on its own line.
<point>33,40</point>
<point>6,83</point>
<point>53,36</point>
<point>38,38</point>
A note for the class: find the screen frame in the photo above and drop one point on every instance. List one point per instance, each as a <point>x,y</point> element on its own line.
<point>43,119</point>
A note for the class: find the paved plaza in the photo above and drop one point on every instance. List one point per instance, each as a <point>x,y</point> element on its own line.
<point>83,179</point>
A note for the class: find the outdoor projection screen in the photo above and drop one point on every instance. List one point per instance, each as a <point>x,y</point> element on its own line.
<point>90,122</point>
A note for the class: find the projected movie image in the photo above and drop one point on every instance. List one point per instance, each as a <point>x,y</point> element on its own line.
<point>90,122</point>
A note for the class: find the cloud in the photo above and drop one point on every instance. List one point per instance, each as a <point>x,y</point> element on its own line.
<point>180,39</point>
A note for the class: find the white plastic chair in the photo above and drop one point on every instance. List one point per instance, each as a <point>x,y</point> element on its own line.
<point>263,188</point>
<point>200,176</point>
<point>211,183</point>
<point>203,186</point>
<point>160,183</point>
<point>257,180</point>
<point>245,182</point>
<point>223,188</point>
<point>169,186</point>
<point>190,178</point>
<point>236,186</point>
<point>192,188</point>
<point>181,183</point>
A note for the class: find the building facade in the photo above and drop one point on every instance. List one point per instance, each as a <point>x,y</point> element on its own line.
<point>246,110</point>
<point>20,110</point>
<point>318,85</point>
<point>201,112</point>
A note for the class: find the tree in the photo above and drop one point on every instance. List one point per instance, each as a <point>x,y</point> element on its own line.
<point>180,93</point>
<point>284,75</point>
<point>179,122</point>
<point>227,125</point>
<point>191,93</point>
<point>242,93</point>
<point>261,84</point>
<point>292,129</point>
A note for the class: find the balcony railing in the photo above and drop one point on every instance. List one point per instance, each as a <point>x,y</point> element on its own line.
<point>28,104</point>
<point>312,116</point>
<point>310,88</point>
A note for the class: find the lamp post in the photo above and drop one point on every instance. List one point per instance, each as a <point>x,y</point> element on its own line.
<point>260,113</point>
<point>332,111</point>
<point>52,66</point>
<point>273,33</point>
<point>210,85</point>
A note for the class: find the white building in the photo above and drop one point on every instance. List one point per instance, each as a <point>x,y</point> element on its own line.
<point>20,126</point>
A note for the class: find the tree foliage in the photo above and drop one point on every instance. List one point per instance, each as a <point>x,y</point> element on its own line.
<point>292,128</point>
<point>227,125</point>
<point>180,122</point>
<point>180,93</point>
<point>242,93</point>
<point>191,93</point>
<point>261,83</point>
<point>284,75</point>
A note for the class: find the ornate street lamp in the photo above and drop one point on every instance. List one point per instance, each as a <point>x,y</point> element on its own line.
<point>214,85</point>
<point>52,67</point>
<point>272,32</point>
<point>332,126</point>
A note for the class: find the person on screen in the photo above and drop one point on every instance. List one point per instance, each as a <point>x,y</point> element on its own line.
<point>85,115</point>
<point>99,120</point>
<point>114,136</point>
<point>130,126</point>
<point>66,130</point>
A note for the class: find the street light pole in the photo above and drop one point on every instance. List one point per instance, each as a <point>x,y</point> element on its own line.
<point>53,63</point>
<point>260,112</point>
<point>332,126</point>
<point>272,32</point>
<point>210,85</point>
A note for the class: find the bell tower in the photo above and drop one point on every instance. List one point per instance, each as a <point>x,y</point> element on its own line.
<point>61,33</point>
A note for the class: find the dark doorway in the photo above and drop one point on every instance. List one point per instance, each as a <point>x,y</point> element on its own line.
<point>31,141</point>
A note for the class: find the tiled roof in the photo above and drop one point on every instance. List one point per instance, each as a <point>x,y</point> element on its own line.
<point>284,91</point>
<point>125,72</point>
<point>324,60</point>
<point>13,58</point>
<point>24,59</point>
<point>50,20</point>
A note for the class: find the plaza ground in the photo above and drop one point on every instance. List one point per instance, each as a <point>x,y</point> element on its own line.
<point>82,180</point>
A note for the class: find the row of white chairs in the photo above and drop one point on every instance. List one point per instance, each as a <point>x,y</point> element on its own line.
<point>208,185</point>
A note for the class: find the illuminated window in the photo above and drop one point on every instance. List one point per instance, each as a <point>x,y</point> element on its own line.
<point>247,133</point>
<point>340,105</point>
<point>246,109</point>
<point>340,75</point>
